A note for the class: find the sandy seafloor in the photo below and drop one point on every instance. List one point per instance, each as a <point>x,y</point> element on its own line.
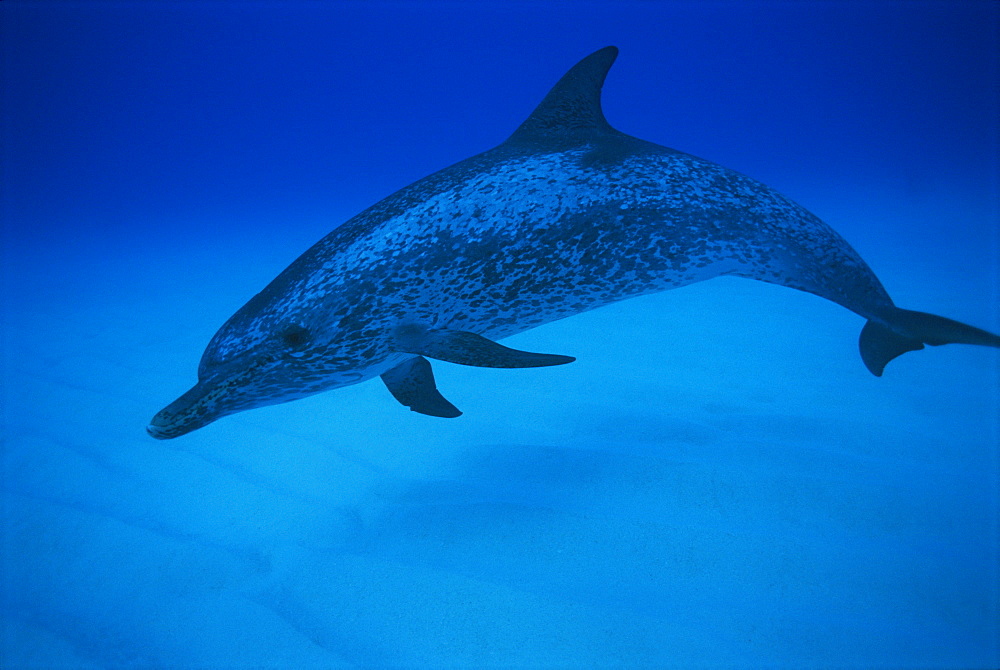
<point>717,481</point>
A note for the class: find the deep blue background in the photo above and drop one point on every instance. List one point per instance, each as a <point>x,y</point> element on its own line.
<point>717,480</point>
<point>188,112</point>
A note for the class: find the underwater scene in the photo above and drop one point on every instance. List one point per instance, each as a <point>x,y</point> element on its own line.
<point>205,469</point>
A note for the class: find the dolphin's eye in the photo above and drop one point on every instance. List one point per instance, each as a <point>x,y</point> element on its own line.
<point>295,336</point>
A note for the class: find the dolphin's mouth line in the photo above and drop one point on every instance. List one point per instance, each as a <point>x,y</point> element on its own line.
<point>159,433</point>
<point>167,428</point>
<point>192,410</point>
<point>162,429</point>
<point>204,403</point>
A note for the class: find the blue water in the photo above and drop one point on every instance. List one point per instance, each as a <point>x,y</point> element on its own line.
<point>717,480</point>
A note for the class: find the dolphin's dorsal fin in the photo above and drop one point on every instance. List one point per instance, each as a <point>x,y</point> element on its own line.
<point>573,106</point>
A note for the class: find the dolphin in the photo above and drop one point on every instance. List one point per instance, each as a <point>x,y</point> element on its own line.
<point>568,214</point>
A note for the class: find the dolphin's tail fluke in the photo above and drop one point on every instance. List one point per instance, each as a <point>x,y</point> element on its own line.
<point>910,331</point>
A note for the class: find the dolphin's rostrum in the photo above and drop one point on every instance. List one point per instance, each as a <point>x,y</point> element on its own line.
<point>567,215</point>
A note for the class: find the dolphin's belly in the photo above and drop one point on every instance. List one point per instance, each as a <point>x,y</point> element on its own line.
<point>536,280</point>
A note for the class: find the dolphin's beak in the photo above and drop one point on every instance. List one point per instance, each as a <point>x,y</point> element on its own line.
<point>191,411</point>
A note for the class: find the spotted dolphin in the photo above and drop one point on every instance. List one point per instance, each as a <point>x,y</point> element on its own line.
<point>568,214</point>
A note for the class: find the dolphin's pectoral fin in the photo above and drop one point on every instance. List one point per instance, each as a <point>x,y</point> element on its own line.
<point>464,348</point>
<point>412,384</point>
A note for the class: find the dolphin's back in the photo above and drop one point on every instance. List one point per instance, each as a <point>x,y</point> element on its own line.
<point>569,214</point>
<point>598,215</point>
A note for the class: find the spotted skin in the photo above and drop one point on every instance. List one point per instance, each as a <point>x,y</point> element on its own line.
<point>567,215</point>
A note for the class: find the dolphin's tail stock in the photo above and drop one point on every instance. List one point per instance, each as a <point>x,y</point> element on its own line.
<point>910,331</point>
